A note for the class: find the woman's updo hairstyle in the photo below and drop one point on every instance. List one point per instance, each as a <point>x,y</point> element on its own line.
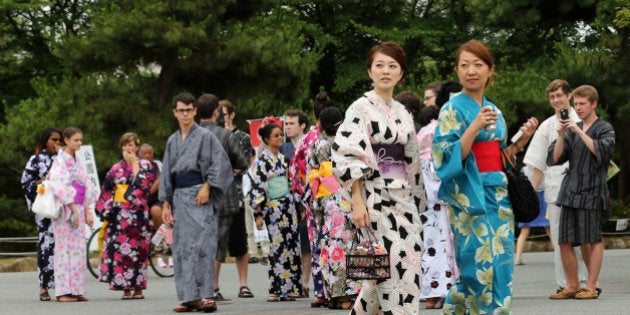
<point>265,131</point>
<point>329,119</point>
<point>322,100</point>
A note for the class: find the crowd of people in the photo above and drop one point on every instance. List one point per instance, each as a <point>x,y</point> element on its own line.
<point>426,181</point>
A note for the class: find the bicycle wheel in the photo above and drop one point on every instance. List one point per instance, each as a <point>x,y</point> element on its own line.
<point>93,251</point>
<point>161,260</point>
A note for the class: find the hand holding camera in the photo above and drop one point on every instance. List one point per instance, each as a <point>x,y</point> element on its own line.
<point>564,114</point>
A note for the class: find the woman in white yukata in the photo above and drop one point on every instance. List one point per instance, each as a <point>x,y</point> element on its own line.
<point>375,157</point>
<point>438,259</point>
<point>71,184</point>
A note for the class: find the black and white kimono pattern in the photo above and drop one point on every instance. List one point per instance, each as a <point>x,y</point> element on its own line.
<point>393,204</point>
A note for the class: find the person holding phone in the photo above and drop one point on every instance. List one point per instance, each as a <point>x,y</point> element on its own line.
<point>588,146</point>
<point>559,95</point>
<point>467,158</point>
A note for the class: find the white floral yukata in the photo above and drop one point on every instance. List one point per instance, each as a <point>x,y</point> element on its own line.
<point>392,203</point>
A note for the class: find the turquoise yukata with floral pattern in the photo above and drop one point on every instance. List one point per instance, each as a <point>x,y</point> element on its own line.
<point>481,215</point>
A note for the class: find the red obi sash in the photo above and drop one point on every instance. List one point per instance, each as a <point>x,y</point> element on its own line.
<point>488,156</point>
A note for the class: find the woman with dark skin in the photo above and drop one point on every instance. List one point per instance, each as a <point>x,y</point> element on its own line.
<point>35,172</point>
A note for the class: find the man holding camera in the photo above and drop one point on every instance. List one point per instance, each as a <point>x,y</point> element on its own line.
<point>559,94</point>
<point>588,146</point>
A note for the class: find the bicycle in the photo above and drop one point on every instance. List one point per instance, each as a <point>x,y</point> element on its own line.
<point>162,250</point>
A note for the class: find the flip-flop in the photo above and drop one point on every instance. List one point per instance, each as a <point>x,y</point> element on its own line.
<point>137,297</point>
<point>126,296</point>
<point>44,296</point>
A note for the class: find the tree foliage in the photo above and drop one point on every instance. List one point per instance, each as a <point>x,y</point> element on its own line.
<point>109,67</point>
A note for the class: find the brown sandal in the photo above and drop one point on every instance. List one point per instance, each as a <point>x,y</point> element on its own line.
<point>186,307</point>
<point>126,295</point>
<point>207,306</point>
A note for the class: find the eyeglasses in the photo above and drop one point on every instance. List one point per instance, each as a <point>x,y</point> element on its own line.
<point>184,110</point>
<point>55,139</point>
<point>426,98</point>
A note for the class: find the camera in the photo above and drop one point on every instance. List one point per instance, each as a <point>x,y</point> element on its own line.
<point>564,114</point>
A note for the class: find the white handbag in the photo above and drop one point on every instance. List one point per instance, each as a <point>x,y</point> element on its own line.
<point>46,205</point>
<point>261,236</point>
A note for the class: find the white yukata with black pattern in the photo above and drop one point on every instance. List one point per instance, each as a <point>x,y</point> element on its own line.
<point>393,204</point>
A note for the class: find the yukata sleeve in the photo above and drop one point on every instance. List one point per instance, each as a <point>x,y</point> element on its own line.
<point>165,192</point>
<point>140,186</point>
<point>31,174</point>
<point>257,194</point>
<point>350,158</point>
<point>105,202</point>
<point>92,190</point>
<point>312,162</point>
<point>461,183</point>
<point>297,169</point>
<point>414,171</point>
<point>61,185</point>
<point>604,144</point>
<point>566,150</point>
<point>536,155</point>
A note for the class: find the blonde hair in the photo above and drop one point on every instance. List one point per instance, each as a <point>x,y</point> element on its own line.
<point>587,91</point>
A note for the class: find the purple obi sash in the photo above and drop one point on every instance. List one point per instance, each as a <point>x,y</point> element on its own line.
<point>79,196</point>
<point>391,160</point>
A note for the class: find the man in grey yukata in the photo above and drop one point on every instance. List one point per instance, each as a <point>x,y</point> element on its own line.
<point>196,172</point>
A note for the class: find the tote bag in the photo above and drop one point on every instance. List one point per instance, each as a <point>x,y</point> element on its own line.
<point>46,205</point>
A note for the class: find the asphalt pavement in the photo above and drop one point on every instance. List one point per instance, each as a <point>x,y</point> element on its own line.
<point>533,283</point>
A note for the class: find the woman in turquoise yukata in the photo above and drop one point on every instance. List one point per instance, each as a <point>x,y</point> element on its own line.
<point>467,157</point>
<point>273,203</point>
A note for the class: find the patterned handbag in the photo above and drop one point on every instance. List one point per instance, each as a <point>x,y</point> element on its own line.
<point>368,259</point>
<point>525,201</point>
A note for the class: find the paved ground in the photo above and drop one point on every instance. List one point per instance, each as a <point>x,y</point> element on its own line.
<point>533,283</point>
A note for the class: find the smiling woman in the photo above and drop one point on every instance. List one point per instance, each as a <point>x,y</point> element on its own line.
<point>375,155</point>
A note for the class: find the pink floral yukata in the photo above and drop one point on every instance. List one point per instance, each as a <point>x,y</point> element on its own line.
<point>298,172</point>
<point>126,242</point>
<point>70,260</point>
